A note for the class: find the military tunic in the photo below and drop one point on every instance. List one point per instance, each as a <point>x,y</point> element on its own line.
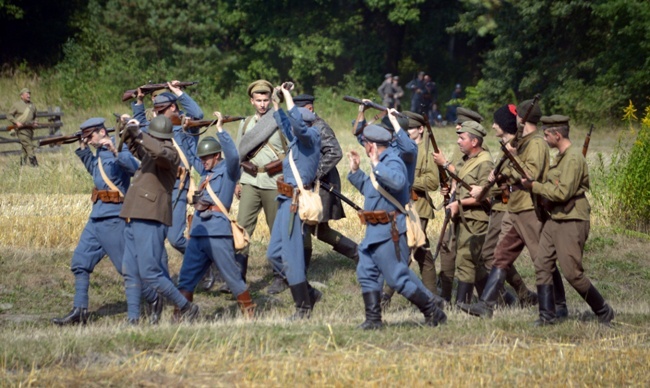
<point>564,235</point>
<point>210,232</point>
<point>285,251</point>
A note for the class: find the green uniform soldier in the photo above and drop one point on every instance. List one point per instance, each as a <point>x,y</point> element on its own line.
<point>470,219</point>
<point>23,115</point>
<point>564,235</point>
<point>262,148</point>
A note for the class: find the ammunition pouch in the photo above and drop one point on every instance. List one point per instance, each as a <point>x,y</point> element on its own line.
<point>417,194</point>
<point>106,196</point>
<point>285,189</point>
<point>271,168</point>
<point>376,217</point>
<point>204,205</point>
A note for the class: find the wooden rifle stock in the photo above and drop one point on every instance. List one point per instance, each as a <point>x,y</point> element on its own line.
<point>189,123</point>
<point>150,88</point>
<point>444,179</point>
<point>585,145</point>
<point>372,105</point>
<point>69,139</point>
<point>443,230</point>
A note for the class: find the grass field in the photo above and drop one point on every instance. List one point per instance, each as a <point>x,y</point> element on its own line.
<point>42,212</point>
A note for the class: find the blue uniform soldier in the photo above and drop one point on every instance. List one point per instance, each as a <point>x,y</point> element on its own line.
<point>285,251</point>
<point>211,233</point>
<point>148,210</point>
<point>384,251</point>
<point>103,234</point>
<point>168,104</point>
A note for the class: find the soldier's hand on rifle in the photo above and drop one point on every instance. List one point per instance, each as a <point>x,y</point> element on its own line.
<point>393,119</point>
<point>108,143</point>
<point>219,121</point>
<point>365,106</point>
<point>276,97</point>
<point>439,158</point>
<point>173,87</point>
<point>453,208</point>
<point>511,149</point>
<point>133,128</point>
<point>476,191</point>
<point>139,96</point>
<point>355,160</point>
<point>444,190</point>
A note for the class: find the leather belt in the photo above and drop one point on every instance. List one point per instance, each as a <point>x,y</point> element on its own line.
<point>106,196</point>
<point>285,189</point>
<point>376,217</point>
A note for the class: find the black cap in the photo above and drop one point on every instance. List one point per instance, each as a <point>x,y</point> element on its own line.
<point>303,99</point>
<point>506,118</point>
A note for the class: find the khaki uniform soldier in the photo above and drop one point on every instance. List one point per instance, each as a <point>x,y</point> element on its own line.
<point>533,155</point>
<point>262,148</point>
<point>564,235</point>
<point>23,115</point>
<point>470,220</point>
<point>505,127</point>
<point>448,252</point>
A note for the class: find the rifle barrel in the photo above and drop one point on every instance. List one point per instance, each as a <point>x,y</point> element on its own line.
<point>372,105</point>
<point>338,194</point>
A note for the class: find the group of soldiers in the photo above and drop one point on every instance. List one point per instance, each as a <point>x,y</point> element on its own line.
<point>280,154</point>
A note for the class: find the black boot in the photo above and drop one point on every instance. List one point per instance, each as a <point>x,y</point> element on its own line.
<point>597,303</point>
<point>307,253</point>
<point>446,286</point>
<point>278,285</point>
<point>433,316</point>
<point>561,310</point>
<point>300,294</point>
<point>33,161</point>
<point>373,311</point>
<point>347,248</point>
<point>526,297</point>
<point>386,296</point>
<point>546,300</point>
<point>76,315</point>
<point>464,292</point>
<point>190,312</point>
<point>488,300</point>
<point>506,298</point>
<point>154,309</point>
<point>314,295</point>
<point>480,285</point>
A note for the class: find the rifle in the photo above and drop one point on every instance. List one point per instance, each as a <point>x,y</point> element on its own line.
<point>189,123</point>
<point>329,188</point>
<point>443,230</point>
<point>484,204</point>
<point>514,142</point>
<point>372,105</point>
<point>444,179</point>
<point>69,139</point>
<point>31,125</point>
<point>150,88</point>
<point>585,145</point>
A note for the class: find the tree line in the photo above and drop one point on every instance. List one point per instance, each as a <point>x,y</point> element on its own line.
<point>586,58</point>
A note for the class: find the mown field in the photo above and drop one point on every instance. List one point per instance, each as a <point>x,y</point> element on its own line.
<point>42,212</point>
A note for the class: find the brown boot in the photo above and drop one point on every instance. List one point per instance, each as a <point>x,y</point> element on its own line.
<point>176,316</point>
<point>246,304</point>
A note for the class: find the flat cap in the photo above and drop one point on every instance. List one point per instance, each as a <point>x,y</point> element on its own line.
<point>307,115</point>
<point>415,120</point>
<point>303,99</point>
<point>554,120</point>
<point>472,127</point>
<point>388,75</point>
<point>377,134</point>
<point>163,100</point>
<point>535,113</point>
<point>259,86</point>
<point>464,114</point>
<point>24,90</point>
<point>403,123</point>
<point>91,125</point>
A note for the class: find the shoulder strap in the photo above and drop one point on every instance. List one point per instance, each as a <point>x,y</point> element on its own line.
<point>385,193</point>
<point>105,177</point>
<point>216,200</point>
<point>473,162</point>
<point>181,154</point>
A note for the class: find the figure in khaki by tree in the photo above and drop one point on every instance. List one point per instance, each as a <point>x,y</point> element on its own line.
<point>564,234</point>
<point>426,179</point>
<point>384,251</point>
<point>470,219</point>
<point>148,211</point>
<point>104,233</point>
<point>532,154</point>
<point>211,232</point>
<point>23,115</point>
<point>262,147</point>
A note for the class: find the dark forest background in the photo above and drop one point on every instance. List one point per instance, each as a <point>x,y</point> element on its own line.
<point>586,58</point>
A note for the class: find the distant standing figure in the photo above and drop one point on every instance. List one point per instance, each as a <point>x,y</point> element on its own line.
<point>386,90</point>
<point>23,115</point>
<point>398,93</point>
<point>453,103</point>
